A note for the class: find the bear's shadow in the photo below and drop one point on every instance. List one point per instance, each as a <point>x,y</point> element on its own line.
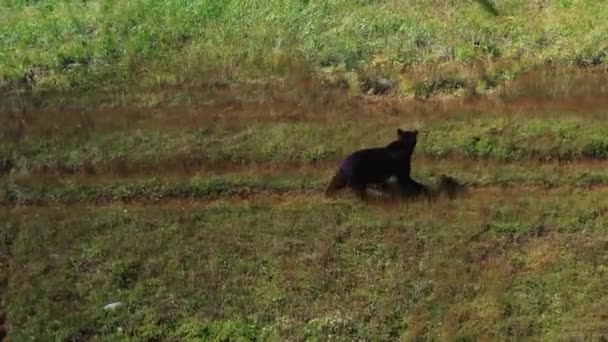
<point>415,190</point>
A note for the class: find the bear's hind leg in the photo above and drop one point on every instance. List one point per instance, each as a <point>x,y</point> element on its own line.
<point>360,190</point>
<point>337,182</point>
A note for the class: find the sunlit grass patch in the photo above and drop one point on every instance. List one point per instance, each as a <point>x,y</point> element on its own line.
<point>295,268</point>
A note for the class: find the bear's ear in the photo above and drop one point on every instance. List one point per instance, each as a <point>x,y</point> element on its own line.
<point>415,132</point>
<point>399,132</point>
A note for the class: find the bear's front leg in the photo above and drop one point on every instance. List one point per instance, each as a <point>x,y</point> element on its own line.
<point>385,187</point>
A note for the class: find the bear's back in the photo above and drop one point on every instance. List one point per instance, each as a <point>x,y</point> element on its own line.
<point>370,164</point>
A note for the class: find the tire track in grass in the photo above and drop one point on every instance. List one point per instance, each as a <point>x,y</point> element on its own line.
<point>194,162</point>
<point>256,179</point>
<point>276,196</point>
<point>421,164</point>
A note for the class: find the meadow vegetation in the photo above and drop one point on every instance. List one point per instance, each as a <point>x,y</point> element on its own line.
<point>425,48</point>
<point>502,264</point>
<point>214,227</point>
<point>173,155</point>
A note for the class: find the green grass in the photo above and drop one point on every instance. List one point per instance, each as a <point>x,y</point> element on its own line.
<point>181,170</point>
<point>215,227</point>
<point>154,190</point>
<point>504,139</point>
<point>519,265</point>
<point>425,47</point>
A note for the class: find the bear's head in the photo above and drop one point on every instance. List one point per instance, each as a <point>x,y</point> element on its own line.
<point>403,147</point>
<point>407,138</point>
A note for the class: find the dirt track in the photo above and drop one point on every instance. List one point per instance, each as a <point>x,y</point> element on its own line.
<point>247,197</point>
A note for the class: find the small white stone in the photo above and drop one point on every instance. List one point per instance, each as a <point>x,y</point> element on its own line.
<point>112,306</point>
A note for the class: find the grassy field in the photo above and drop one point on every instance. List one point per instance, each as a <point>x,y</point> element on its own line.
<point>425,48</point>
<point>173,155</point>
<point>514,264</point>
<point>209,223</point>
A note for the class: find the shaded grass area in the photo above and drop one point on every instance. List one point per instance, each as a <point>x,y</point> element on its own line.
<point>426,48</point>
<point>504,265</point>
<point>504,139</point>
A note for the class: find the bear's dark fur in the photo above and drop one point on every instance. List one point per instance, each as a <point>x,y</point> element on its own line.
<point>376,165</point>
